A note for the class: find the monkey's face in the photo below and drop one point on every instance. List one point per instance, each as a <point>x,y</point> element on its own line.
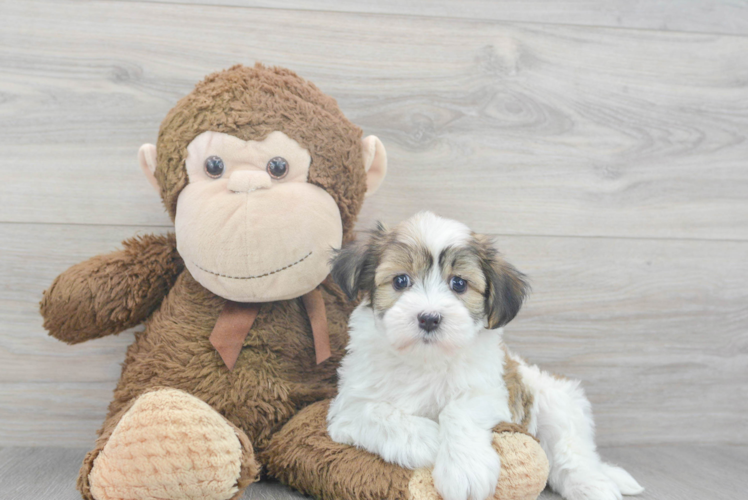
<point>263,176</point>
<point>249,226</point>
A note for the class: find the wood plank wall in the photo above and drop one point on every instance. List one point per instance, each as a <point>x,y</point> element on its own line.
<point>604,143</point>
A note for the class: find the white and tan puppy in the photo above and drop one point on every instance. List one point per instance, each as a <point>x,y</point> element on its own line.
<point>422,382</point>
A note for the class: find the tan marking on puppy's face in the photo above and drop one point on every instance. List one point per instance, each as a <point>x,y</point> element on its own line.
<point>404,254</point>
<point>465,263</point>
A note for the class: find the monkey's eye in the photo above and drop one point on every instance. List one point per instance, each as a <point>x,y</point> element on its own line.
<point>457,284</point>
<point>214,167</point>
<point>401,282</point>
<point>277,167</point>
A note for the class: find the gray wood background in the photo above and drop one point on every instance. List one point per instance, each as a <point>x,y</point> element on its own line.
<point>603,142</point>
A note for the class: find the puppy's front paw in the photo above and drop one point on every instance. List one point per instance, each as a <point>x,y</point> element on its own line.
<point>461,474</point>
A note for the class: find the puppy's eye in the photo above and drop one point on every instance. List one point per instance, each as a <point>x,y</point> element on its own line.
<point>457,284</point>
<point>277,167</point>
<point>401,282</point>
<point>214,167</point>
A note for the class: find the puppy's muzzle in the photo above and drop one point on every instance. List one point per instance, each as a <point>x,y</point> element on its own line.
<point>429,321</point>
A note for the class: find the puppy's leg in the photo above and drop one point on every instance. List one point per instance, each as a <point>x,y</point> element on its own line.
<point>565,428</point>
<point>407,440</point>
<point>467,465</point>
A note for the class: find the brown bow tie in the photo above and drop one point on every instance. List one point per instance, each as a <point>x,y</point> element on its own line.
<point>236,319</point>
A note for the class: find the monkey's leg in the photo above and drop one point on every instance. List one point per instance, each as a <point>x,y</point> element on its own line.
<point>168,445</point>
<point>303,456</point>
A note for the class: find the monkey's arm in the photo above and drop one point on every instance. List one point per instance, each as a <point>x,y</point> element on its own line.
<point>111,293</point>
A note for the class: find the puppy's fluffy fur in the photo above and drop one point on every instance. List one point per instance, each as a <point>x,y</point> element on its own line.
<point>422,383</point>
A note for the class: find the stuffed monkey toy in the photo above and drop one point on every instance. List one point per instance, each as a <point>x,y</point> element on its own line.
<point>262,175</point>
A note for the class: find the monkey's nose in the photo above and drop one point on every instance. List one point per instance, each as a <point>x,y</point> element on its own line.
<point>429,321</point>
<point>246,181</point>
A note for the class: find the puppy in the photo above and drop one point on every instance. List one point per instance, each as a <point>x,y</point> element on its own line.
<point>422,383</point>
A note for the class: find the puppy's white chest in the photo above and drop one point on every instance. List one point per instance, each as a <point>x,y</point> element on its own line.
<point>425,394</point>
<point>423,380</point>
<point>426,389</point>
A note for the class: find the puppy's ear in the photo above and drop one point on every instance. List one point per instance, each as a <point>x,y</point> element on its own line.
<point>354,265</point>
<point>506,287</point>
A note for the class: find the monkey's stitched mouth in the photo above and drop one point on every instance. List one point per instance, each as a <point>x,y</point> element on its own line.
<point>220,275</point>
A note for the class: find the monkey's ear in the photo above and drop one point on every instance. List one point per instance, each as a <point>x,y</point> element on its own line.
<point>147,160</point>
<point>375,162</point>
<point>506,287</point>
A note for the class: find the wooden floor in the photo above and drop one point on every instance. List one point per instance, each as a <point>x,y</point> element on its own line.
<point>604,143</point>
<point>668,472</point>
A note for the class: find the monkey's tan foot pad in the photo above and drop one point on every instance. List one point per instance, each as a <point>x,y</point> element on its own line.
<point>171,446</point>
<point>524,470</point>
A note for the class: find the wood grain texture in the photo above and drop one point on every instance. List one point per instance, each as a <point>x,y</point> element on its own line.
<point>669,472</point>
<point>707,16</point>
<point>515,128</point>
<point>656,329</point>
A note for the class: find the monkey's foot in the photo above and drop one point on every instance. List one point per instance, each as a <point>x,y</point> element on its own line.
<point>172,446</point>
<point>524,469</point>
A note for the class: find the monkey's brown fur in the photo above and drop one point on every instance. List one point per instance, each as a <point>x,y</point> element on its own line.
<point>276,375</point>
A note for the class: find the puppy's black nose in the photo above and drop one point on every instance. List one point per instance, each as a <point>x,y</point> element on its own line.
<point>429,322</point>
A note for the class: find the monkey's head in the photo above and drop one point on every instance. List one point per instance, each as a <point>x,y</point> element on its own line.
<point>263,176</point>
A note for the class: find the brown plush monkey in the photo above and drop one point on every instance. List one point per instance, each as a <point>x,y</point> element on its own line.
<point>262,175</point>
